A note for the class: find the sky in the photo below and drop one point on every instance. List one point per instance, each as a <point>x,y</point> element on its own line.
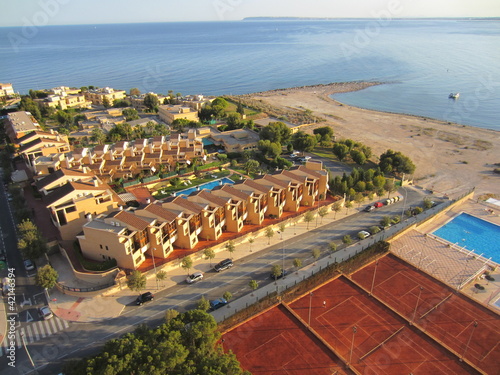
<point>67,12</point>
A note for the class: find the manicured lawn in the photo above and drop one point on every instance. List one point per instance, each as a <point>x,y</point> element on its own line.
<point>248,111</point>
<point>324,153</point>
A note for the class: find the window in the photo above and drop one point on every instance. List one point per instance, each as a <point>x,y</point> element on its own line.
<point>100,246</point>
<point>107,248</point>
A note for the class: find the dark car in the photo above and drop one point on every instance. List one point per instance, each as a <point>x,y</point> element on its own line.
<point>29,265</point>
<point>369,208</point>
<point>217,304</point>
<point>282,274</point>
<point>223,265</point>
<point>144,297</point>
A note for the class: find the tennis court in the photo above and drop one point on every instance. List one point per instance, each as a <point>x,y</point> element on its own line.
<point>469,329</point>
<point>276,343</point>
<point>369,336</point>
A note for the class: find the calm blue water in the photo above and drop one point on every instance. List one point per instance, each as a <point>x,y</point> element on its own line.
<point>424,59</point>
<point>207,186</point>
<point>473,234</point>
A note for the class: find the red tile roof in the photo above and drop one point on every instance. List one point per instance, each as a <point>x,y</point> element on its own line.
<point>161,212</point>
<point>130,219</point>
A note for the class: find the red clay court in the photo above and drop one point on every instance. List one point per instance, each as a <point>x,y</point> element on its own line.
<point>276,343</point>
<point>383,342</point>
<point>449,317</point>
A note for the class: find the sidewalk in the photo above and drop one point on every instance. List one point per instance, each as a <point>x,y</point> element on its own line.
<point>99,308</point>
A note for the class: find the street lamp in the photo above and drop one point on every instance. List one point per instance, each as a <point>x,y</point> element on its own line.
<point>26,348</point>
<point>317,213</point>
<point>404,200</point>
<point>154,265</point>
<point>354,330</point>
<point>373,281</point>
<point>283,252</point>
<point>310,306</point>
<point>416,306</point>
<point>468,341</point>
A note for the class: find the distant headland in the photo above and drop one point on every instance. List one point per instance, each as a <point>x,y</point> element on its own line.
<point>346,19</point>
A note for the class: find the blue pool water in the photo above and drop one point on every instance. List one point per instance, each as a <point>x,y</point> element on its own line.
<point>207,186</point>
<point>474,234</point>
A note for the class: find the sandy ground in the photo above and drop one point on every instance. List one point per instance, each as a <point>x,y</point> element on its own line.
<point>450,158</point>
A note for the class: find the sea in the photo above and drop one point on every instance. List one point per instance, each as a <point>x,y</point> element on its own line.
<point>420,62</point>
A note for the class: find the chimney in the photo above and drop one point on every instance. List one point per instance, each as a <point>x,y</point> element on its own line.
<point>148,200</point>
<point>89,217</point>
<point>120,208</point>
<point>95,181</point>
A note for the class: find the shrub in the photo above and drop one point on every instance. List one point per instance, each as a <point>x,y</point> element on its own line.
<point>396,219</point>
<point>93,265</point>
<point>417,210</point>
<point>347,239</point>
<point>374,229</point>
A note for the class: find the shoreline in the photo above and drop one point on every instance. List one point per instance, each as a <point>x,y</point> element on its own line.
<point>353,86</point>
<point>450,157</point>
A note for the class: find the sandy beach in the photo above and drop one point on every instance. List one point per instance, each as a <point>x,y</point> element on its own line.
<point>450,158</point>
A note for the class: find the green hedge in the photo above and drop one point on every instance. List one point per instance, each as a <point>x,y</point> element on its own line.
<point>131,183</point>
<point>150,179</point>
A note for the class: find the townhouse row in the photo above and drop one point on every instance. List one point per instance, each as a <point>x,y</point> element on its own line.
<point>158,228</point>
<point>46,152</point>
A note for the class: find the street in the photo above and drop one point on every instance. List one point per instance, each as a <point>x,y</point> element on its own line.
<point>83,339</point>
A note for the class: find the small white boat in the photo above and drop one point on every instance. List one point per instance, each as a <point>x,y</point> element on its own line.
<point>454,95</point>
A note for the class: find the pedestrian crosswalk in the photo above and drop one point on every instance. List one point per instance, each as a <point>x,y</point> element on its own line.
<point>35,331</point>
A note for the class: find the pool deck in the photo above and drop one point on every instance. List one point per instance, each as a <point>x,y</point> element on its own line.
<point>448,264</point>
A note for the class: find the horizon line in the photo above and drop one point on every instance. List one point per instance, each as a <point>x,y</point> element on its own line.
<point>268,18</point>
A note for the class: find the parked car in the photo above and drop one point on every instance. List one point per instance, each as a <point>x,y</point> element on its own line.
<point>45,312</point>
<point>144,297</point>
<point>29,265</point>
<point>369,208</point>
<point>217,304</point>
<point>223,265</point>
<point>378,204</point>
<point>194,277</point>
<point>364,233</point>
<point>7,284</point>
<point>282,274</point>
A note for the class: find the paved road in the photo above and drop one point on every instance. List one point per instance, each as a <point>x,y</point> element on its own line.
<point>83,339</point>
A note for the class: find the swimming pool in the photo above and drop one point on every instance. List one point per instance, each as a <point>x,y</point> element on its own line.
<point>207,186</point>
<point>473,233</point>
